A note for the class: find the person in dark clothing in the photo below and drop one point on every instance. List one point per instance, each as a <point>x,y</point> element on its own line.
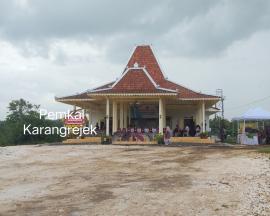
<point>176,131</point>
<point>97,127</point>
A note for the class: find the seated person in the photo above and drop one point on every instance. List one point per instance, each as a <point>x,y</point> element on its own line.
<point>186,131</point>
<point>125,135</point>
<point>97,127</point>
<point>198,130</point>
<point>176,131</point>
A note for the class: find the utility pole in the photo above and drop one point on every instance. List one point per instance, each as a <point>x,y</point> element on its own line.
<point>219,92</point>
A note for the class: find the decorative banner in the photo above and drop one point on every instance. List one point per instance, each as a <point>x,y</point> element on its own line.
<point>69,121</point>
<point>75,118</point>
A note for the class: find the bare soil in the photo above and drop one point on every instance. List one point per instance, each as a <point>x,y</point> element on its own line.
<point>133,180</point>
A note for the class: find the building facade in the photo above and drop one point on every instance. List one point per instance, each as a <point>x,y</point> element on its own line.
<point>144,98</point>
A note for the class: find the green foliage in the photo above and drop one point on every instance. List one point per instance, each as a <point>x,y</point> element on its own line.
<point>231,140</point>
<point>216,123</point>
<point>265,150</point>
<point>204,135</point>
<point>251,135</point>
<point>23,113</point>
<point>159,138</point>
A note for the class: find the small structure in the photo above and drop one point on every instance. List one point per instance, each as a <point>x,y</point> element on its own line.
<point>142,97</point>
<point>251,119</point>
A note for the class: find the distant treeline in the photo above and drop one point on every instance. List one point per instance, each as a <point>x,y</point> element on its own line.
<point>20,113</point>
<point>217,123</point>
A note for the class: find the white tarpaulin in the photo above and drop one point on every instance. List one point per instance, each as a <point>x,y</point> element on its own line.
<point>254,114</point>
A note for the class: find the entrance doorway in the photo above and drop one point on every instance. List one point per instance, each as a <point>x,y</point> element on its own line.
<point>188,121</point>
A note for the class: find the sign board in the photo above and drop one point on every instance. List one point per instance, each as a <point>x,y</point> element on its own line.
<point>75,119</point>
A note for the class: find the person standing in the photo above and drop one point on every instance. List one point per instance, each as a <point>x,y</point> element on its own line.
<point>167,136</point>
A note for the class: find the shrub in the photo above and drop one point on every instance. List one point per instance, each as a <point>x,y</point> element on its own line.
<point>204,135</point>
<point>159,138</point>
<point>265,150</point>
<point>231,140</point>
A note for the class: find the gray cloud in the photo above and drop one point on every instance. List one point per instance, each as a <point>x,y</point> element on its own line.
<point>66,46</point>
<point>97,17</point>
<point>212,33</point>
<point>186,28</point>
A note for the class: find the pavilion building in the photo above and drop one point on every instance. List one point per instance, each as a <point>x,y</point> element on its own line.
<point>144,98</point>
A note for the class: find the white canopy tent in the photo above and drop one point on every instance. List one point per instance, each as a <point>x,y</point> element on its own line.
<point>255,114</point>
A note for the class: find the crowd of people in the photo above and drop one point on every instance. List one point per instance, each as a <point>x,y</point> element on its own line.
<point>262,133</point>
<point>140,134</point>
<point>186,131</point>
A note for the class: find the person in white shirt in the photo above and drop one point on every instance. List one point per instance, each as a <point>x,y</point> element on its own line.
<point>186,131</point>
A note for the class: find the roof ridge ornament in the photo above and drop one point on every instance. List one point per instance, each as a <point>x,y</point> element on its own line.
<point>136,65</point>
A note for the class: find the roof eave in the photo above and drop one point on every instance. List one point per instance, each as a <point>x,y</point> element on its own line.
<point>200,99</point>
<point>133,94</point>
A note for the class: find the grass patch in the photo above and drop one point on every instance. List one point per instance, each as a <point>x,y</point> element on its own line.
<point>264,150</point>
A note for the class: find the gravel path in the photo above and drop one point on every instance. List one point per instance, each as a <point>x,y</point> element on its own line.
<point>133,180</point>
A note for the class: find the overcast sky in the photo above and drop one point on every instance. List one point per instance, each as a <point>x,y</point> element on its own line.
<point>57,48</point>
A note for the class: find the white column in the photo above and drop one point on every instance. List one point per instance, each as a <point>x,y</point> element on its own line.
<point>164,114</point>
<point>90,117</point>
<point>198,115</point>
<point>121,115</point>
<point>115,119</point>
<point>129,114</point>
<point>203,116</point>
<point>160,120</point>
<point>125,114</point>
<point>107,117</point>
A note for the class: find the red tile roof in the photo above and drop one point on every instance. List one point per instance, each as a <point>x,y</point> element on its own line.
<point>143,75</point>
<point>144,56</point>
<point>132,91</point>
<point>183,92</point>
<point>79,96</point>
<point>134,79</point>
<point>108,85</point>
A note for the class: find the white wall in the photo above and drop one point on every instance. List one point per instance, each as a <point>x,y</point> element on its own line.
<point>97,116</point>
<point>178,114</point>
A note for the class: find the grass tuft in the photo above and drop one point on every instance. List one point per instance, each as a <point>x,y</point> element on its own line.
<point>264,150</point>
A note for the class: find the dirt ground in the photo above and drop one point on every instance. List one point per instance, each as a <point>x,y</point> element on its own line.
<point>133,180</point>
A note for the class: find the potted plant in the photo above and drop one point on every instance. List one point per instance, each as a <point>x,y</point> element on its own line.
<point>204,135</point>
<point>159,138</point>
<point>106,139</point>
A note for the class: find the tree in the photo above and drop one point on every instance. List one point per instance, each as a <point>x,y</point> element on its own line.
<point>22,113</point>
<point>230,127</point>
